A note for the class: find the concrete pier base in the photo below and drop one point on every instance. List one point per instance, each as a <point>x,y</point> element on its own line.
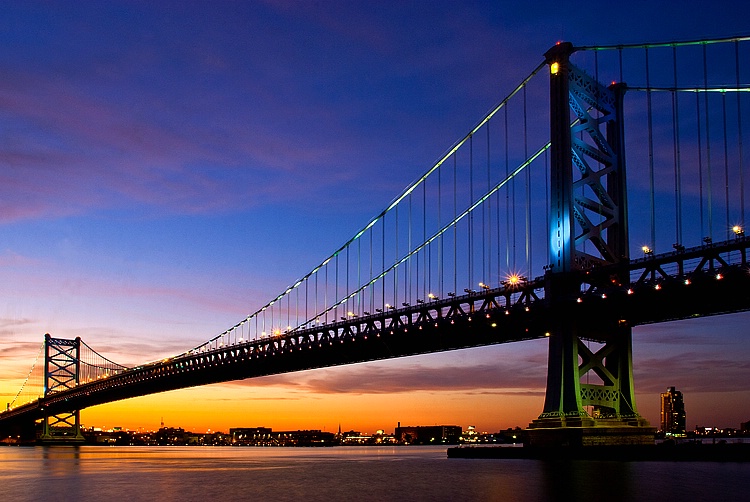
<point>587,431</point>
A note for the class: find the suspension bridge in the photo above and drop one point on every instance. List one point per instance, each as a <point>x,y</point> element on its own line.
<point>526,228</point>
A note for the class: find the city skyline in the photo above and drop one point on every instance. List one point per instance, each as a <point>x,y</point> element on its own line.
<point>170,168</point>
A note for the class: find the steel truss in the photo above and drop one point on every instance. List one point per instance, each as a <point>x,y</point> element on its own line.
<point>61,373</point>
<point>588,205</point>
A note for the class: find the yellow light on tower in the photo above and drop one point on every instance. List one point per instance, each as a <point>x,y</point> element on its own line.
<point>554,68</point>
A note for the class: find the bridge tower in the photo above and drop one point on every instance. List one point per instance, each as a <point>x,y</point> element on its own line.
<point>588,228</point>
<point>61,372</point>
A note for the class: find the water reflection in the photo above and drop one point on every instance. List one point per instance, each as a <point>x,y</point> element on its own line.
<point>344,473</point>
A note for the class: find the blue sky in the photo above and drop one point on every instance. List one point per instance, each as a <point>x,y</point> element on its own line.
<point>168,167</point>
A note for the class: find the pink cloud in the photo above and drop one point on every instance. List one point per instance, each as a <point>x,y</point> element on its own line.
<point>519,377</point>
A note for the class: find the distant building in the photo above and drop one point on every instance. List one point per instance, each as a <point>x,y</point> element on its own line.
<point>357,438</point>
<point>430,434</point>
<point>264,436</point>
<point>672,413</point>
<point>172,436</point>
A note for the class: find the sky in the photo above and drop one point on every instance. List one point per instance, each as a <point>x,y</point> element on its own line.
<point>168,167</point>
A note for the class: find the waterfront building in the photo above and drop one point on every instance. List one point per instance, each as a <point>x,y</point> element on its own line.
<point>430,434</point>
<point>672,413</point>
<point>265,436</point>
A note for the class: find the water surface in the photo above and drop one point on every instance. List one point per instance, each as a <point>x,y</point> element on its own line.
<point>360,474</point>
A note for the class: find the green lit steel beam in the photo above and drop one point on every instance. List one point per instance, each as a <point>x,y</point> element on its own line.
<point>662,44</point>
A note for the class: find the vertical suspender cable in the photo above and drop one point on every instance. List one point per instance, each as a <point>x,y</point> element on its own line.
<point>488,277</point>
<point>359,275</point>
<point>325,298</point>
<point>700,162</point>
<point>507,194</point>
<point>708,147</point>
<point>527,225</point>
<point>726,163</point>
<point>336,290</point>
<point>676,152</point>
<point>513,221</point>
<point>739,133</point>
<point>408,281</point>
<point>440,225</point>
<point>471,215</point>
<point>395,270</point>
<point>482,276</point>
<point>455,227</point>
<point>382,262</point>
<point>650,156</point>
<point>497,225</point>
<point>316,307</point>
<point>427,256</point>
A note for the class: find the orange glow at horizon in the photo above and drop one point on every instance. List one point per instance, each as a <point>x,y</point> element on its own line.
<point>220,407</point>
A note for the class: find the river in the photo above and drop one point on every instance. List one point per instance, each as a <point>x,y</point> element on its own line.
<point>360,474</point>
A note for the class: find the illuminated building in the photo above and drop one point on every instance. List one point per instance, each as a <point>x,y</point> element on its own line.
<point>265,436</point>
<point>672,413</point>
<point>432,434</point>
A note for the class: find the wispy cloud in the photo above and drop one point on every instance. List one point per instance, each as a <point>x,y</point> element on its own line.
<point>693,372</point>
<point>522,378</point>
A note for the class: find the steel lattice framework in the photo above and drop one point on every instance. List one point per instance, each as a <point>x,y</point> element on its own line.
<point>62,362</point>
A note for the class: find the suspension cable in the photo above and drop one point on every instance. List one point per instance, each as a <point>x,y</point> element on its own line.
<point>28,376</point>
<point>442,230</point>
<point>652,206</point>
<point>676,153</point>
<point>662,44</point>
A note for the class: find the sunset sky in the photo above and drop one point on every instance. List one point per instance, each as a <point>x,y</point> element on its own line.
<point>168,167</point>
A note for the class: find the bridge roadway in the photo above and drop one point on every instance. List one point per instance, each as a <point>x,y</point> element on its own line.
<point>706,280</point>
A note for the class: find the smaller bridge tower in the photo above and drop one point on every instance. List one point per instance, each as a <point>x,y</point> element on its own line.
<point>62,363</point>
